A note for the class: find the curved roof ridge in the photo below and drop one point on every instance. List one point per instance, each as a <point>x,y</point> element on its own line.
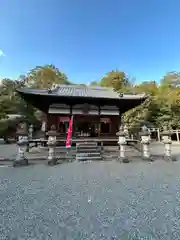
<point>76,91</point>
<point>79,86</point>
<point>82,86</point>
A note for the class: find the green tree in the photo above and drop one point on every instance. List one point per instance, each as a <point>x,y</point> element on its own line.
<point>115,79</point>
<point>10,101</point>
<point>163,105</point>
<point>7,88</point>
<point>45,76</point>
<point>171,79</point>
<point>7,97</point>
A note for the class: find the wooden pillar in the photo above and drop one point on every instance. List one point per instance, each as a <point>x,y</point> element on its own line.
<point>74,125</point>
<point>74,121</point>
<point>99,122</point>
<point>120,120</point>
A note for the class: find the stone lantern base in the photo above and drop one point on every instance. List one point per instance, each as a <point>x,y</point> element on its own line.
<point>20,162</point>
<point>52,162</point>
<point>170,158</point>
<point>147,159</point>
<point>22,144</point>
<point>124,160</point>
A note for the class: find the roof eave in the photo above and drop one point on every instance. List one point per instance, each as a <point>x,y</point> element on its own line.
<point>45,94</point>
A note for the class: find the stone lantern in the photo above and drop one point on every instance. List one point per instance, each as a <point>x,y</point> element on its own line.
<point>31,131</point>
<point>166,139</point>
<point>126,131</point>
<point>145,141</point>
<point>122,143</point>
<point>51,145</point>
<point>22,142</point>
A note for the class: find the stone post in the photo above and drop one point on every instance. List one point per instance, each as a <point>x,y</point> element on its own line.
<point>122,142</point>
<point>30,131</point>
<point>43,126</point>
<point>126,131</point>
<point>166,139</point>
<point>145,141</point>
<point>43,130</point>
<point>22,143</point>
<point>51,145</point>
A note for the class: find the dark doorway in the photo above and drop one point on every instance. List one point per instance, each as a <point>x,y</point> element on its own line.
<point>105,127</point>
<point>87,129</point>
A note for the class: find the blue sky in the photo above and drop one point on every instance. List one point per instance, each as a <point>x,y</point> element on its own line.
<point>87,38</point>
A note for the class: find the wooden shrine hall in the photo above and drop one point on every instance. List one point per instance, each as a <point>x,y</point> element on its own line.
<point>96,110</point>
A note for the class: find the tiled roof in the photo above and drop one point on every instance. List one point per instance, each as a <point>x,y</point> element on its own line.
<point>82,91</point>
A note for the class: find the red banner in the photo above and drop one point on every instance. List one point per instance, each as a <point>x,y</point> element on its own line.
<point>69,133</point>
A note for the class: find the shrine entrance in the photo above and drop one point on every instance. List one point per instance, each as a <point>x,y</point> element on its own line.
<point>86,126</point>
<point>87,122</point>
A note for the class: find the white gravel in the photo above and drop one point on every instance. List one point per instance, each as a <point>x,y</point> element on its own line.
<point>8,150</point>
<point>91,201</point>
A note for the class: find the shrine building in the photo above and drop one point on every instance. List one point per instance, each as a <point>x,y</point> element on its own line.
<point>96,111</point>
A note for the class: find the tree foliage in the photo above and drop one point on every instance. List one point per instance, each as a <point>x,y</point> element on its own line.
<point>162,106</point>
<point>45,76</point>
<point>38,77</point>
<point>115,79</point>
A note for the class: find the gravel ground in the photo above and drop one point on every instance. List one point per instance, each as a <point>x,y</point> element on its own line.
<point>8,150</point>
<point>91,201</point>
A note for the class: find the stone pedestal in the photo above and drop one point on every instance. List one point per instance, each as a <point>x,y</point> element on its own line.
<point>126,131</point>
<point>42,134</point>
<point>166,139</point>
<point>22,144</point>
<point>43,126</point>
<point>122,143</point>
<point>51,145</point>
<point>145,141</point>
<point>30,131</point>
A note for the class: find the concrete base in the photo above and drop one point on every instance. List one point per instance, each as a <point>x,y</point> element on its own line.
<point>124,160</point>
<point>52,162</point>
<point>22,162</point>
<point>170,159</point>
<point>148,159</point>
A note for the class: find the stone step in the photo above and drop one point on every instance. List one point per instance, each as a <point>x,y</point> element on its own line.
<point>86,150</point>
<point>110,157</point>
<point>86,144</point>
<point>88,154</point>
<point>83,159</point>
